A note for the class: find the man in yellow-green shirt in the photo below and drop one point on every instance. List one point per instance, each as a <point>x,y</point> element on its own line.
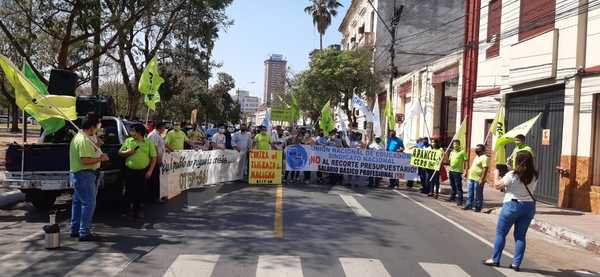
<point>520,146</point>
<point>457,159</point>
<point>176,138</point>
<point>140,154</point>
<point>262,140</point>
<point>477,175</point>
<point>83,163</point>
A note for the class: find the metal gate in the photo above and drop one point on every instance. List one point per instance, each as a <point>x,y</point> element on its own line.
<point>549,101</point>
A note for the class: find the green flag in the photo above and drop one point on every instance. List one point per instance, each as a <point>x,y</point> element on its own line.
<point>295,109</point>
<point>50,125</point>
<point>149,84</point>
<point>326,121</point>
<point>389,114</point>
<point>29,99</point>
<point>522,129</point>
<point>498,129</point>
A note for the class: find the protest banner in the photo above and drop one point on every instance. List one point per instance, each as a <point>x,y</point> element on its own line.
<point>425,158</point>
<point>265,167</point>
<point>182,170</point>
<point>282,114</point>
<point>350,161</point>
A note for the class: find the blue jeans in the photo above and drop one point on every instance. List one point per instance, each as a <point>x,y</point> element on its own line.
<point>84,201</point>
<point>475,190</point>
<point>456,184</point>
<point>520,215</point>
<point>423,178</point>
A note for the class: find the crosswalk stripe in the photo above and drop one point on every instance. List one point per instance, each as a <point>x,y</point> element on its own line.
<point>279,266</point>
<point>13,263</point>
<point>101,264</point>
<point>511,273</point>
<point>356,207</point>
<point>192,266</point>
<point>443,270</point>
<point>361,267</point>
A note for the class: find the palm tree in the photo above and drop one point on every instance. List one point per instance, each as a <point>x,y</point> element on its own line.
<point>322,11</point>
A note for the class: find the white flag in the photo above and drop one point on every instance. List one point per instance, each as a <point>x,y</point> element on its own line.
<point>360,104</point>
<point>267,120</point>
<point>341,117</point>
<point>414,110</point>
<point>377,121</point>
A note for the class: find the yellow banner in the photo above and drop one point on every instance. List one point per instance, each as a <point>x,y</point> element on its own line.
<point>265,167</point>
<point>425,158</point>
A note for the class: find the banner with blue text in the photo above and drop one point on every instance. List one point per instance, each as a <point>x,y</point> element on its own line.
<point>350,161</point>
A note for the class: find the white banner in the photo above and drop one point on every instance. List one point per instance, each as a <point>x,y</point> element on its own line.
<point>182,170</point>
<point>350,161</point>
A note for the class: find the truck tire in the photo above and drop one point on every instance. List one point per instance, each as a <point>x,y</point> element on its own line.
<point>42,200</point>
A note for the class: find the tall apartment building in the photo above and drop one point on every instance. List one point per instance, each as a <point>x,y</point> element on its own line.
<point>275,69</point>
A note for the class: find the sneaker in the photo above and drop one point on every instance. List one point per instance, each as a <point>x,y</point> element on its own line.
<point>490,262</point>
<point>467,208</point>
<point>436,196</point>
<point>74,234</point>
<point>477,210</point>
<point>514,267</point>
<point>89,237</point>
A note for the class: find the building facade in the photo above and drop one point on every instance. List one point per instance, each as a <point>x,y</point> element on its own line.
<point>274,86</point>
<point>541,56</point>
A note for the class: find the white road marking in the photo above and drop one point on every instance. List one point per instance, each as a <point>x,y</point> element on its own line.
<point>460,227</point>
<point>279,266</point>
<point>101,264</point>
<point>583,273</point>
<point>511,273</point>
<point>443,270</point>
<point>360,267</point>
<point>356,207</point>
<point>14,263</point>
<point>265,234</point>
<point>192,266</point>
<point>33,236</point>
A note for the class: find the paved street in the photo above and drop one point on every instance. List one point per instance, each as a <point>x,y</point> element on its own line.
<point>235,230</point>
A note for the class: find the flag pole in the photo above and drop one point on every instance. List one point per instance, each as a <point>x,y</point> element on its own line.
<point>147,115</point>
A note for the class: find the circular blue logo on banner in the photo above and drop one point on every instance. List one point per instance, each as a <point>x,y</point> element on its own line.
<point>296,157</point>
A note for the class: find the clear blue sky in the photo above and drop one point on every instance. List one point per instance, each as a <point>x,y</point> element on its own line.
<point>263,27</point>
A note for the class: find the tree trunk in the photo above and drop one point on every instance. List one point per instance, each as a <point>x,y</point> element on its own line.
<point>132,105</point>
<point>16,113</point>
<point>321,41</point>
<point>96,61</point>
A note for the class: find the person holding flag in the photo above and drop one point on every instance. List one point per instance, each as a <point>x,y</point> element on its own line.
<point>498,130</point>
<point>520,146</point>
<point>394,144</point>
<point>433,176</point>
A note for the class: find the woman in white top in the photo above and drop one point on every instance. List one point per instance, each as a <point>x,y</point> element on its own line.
<point>518,209</point>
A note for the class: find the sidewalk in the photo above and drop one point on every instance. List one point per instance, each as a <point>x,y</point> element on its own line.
<point>571,226</point>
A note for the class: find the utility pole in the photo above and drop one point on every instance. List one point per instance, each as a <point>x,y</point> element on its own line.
<point>396,13</point>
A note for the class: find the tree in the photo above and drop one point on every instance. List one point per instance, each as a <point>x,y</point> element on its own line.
<point>335,76</point>
<point>322,11</point>
<point>70,29</point>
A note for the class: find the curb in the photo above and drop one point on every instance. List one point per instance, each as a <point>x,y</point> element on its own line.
<point>563,234</point>
<point>10,198</point>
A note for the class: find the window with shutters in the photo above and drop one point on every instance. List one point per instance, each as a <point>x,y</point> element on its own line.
<point>536,17</point>
<point>493,28</point>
